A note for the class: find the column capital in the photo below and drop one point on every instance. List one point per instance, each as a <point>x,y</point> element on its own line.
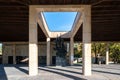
<point>86,10</point>
<point>33,15</point>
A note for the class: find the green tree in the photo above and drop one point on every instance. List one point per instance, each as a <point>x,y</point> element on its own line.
<point>115,52</point>
<point>78,50</point>
<point>98,48</point>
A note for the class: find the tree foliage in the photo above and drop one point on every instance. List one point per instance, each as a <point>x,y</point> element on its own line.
<point>78,51</point>
<point>115,52</point>
<point>100,48</point>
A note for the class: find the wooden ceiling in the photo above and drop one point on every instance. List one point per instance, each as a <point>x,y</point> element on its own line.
<point>14,17</point>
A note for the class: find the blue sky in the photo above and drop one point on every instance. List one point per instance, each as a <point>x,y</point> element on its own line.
<point>59,21</point>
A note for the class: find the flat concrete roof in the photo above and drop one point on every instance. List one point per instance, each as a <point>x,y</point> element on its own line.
<point>14,19</point>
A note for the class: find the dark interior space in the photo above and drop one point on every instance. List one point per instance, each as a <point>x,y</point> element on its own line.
<point>42,60</point>
<point>10,59</point>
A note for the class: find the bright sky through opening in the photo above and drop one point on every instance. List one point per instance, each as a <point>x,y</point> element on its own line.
<point>60,21</point>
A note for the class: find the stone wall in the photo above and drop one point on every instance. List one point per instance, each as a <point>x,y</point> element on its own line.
<point>22,49</point>
<point>7,51</point>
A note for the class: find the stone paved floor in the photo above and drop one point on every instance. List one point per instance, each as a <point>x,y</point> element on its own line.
<point>99,72</point>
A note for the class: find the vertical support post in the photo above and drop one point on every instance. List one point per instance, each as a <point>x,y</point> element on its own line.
<point>4,55</point>
<point>33,43</point>
<point>71,56</point>
<point>48,51</point>
<point>86,40</point>
<point>107,54</point>
<point>14,54</point>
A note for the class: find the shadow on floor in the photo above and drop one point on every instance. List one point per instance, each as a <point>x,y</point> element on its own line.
<point>108,68</point>
<point>21,69</point>
<point>63,74</point>
<point>111,68</point>
<point>64,70</point>
<point>73,67</point>
<point>3,75</point>
<point>106,72</point>
<point>98,70</point>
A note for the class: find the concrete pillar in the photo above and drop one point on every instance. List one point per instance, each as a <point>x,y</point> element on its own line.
<point>71,55</point>
<point>86,40</point>
<point>33,50</point>
<point>107,54</point>
<point>33,42</point>
<point>14,54</point>
<point>48,51</point>
<point>4,55</point>
<point>68,47</point>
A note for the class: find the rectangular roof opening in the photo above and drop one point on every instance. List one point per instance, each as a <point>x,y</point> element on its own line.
<point>59,21</point>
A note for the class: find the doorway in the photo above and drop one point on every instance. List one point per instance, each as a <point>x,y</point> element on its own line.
<point>10,59</point>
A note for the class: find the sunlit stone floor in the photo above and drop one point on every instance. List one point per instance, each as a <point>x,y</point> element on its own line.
<point>99,72</point>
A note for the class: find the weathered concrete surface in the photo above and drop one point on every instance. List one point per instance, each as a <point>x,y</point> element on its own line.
<point>100,72</point>
<point>21,49</point>
<point>86,41</point>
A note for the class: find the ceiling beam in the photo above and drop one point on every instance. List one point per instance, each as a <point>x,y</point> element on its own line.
<point>102,15</point>
<point>107,5</point>
<point>13,23</point>
<point>97,2</point>
<point>105,18</point>
<point>14,15</point>
<point>106,10</point>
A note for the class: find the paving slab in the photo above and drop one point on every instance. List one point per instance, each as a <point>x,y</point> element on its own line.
<point>99,72</point>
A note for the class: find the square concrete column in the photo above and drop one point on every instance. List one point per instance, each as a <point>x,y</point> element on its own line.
<point>71,55</point>
<point>33,50</point>
<point>107,54</point>
<point>14,54</point>
<point>48,51</point>
<point>4,55</point>
<point>33,42</point>
<point>86,39</point>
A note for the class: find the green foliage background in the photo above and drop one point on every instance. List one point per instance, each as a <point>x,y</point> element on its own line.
<point>100,48</point>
